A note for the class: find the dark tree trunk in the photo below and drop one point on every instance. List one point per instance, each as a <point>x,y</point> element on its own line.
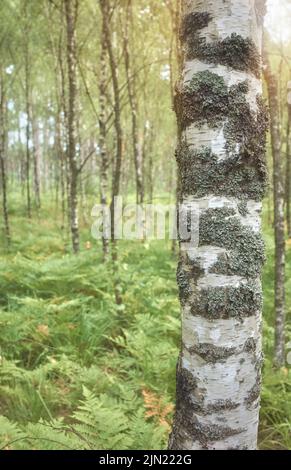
<point>278,191</point>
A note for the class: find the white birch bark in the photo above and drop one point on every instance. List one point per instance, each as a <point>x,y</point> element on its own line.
<point>222,169</point>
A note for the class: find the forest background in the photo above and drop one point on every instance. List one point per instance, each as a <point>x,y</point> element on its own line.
<point>90,331</point>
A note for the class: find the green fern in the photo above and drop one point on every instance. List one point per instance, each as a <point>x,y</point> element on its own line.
<point>102,427</point>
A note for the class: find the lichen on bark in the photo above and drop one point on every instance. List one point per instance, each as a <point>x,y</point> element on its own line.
<point>228,302</point>
<point>201,173</point>
<point>222,168</point>
<point>234,51</point>
<point>192,23</point>
<point>187,273</point>
<point>207,99</point>
<point>245,248</point>
<point>246,127</point>
<point>204,99</point>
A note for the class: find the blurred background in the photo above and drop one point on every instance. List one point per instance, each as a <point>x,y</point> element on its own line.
<point>90,331</point>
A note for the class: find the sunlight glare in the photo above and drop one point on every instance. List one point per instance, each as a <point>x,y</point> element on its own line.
<point>278,19</point>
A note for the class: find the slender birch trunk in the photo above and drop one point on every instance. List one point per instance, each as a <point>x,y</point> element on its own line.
<point>61,119</point>
<point>222,169</point>
<point>3,147</point>
<point>45,165</point>
<point>103,134</point>
<point>148,150</point>
<point>64,127</point>
<point>71,14</point>
<point>62,164</point>
<point>288,163</point>
<point>279,216</point>
<point>28,109</point>
<point>36,161</point>
<point>22,160</point>
<point>107,10</point>
<point>133,102</point>
<point>175,11</point>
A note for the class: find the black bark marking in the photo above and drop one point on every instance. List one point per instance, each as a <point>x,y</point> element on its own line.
<point>212,354</point>
<point>192,23</point>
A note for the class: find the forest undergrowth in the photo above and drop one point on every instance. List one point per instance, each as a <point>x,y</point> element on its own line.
<point>79,372</point>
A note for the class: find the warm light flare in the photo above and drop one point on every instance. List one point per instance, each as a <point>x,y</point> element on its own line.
<point>278,20</point>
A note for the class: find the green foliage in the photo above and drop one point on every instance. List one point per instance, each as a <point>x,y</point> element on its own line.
<point>74,366</point>
<point>78,372</point>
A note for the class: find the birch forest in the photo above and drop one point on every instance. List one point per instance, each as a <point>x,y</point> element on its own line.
<point>145,225</point>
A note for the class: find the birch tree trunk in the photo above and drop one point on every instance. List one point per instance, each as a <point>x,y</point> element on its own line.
<point>279,216</point>
<point>64,127</point>
<point>107,11</point>
<point>133,102</point>
<point>221,160</point>
<point>36,160</point>
<point>27,107</point>
<point>62,163</point>
<point>71,16</point>
<point>175,11</point>
<point>288,164</point>
<point>3,147</point>
<point>103,134</point>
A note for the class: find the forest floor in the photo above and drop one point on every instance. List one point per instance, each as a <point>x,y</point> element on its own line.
<point>77,371</point>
